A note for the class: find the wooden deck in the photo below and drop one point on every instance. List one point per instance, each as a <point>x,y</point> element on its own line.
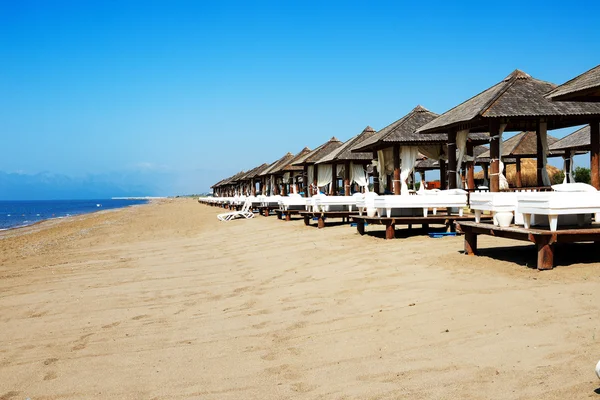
<point>544,239</point>
<point>323,215</point>
<point>390,223</point>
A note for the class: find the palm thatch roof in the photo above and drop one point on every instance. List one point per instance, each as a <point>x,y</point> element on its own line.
<point>578,140</point>
<point>254,172</point>
<point>275,167</point>
<point>321,151</point>
<point>232,180</point>
<point>288,165</point>
<point>523,144</point>
<point>518,100</point>
<point>528,173</point>
<point>344,153</point>
<point>585,87</point>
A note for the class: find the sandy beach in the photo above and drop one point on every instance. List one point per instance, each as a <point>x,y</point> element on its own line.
<point>162,301</point>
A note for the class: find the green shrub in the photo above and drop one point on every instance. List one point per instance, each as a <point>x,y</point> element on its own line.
<point>582,174</point>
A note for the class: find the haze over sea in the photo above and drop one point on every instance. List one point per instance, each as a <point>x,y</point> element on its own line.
<point>14,214</point>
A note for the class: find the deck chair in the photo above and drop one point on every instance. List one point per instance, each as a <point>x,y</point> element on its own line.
<point>245,212</point>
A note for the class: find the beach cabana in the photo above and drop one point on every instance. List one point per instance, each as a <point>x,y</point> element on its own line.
<point>270,175</point>
<point>310,170</point>
<point>396,149</point>
<point>517,103</point>
<point>251,179</point>
<point>520,146</point>
<point>288,173</point>
<point>585,87</point>
<point>343,161</point>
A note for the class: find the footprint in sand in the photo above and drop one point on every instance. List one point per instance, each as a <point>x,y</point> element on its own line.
<point>50,375</point>
<point>138,317</point>
<point>9,395</point>
<point>82,342</point>
<point>110,325</point>
<point>303,387</point>
<point>50,361</point>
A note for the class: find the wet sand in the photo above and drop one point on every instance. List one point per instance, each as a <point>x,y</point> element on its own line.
<point>162,301</point>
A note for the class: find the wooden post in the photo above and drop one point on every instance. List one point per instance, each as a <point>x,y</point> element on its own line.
<point>396,180</point>
<point>390,230</point>
<point>518,168</point>
<point>360,226</point>
<point>540,152</point>
<point>347,178</point>
<point>375,175</point>
<point>495,138</point>
<point>595,153</point>
<point>545,259</point>
<point>305,180</point>
<point>283,187</point>
<point>334,182</point>
<point>443,179</point>
<point>321,222</point>
<point>486,172</point>
<point>470,243</point>
<point>452,159</point>
<point>388,179</point>
<point>470,166</point>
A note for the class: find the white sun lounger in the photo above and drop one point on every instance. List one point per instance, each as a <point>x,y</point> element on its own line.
<point>448,199</point>
<point>293,202</point>
<point>245,212</point>
<point>555,204</point>
<point>335,203</point>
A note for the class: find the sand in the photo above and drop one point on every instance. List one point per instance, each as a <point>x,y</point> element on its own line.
<point>163,301</point>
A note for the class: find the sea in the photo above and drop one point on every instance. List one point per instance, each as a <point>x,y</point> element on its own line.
<point>15,214</point>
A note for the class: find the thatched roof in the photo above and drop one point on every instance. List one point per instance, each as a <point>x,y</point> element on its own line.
<point>232,180</point>
<point>585,87</point>
<point>523,144</point>
<point>344,153</point>
<point>402,131</point>
<point>519,100</point>
<point>289,166</point>
<point>277,165</point>
<point>578,140</point>
<point>254,172</point>
<point>321,151</point>
<point>528,172</point>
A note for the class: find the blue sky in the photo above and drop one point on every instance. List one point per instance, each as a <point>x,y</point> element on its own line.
<point>175,95</point>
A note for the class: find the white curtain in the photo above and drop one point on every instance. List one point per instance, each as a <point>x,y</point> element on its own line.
<point>544,138</point>
<point>568,174</point>
<point>311,173</point>
<point>432,151</point>
<point>324,176</point>
<point>422,185</point>
<point>461,144</point>
<point>503,184</point>
<point>359,175</point>
<point>271,185</point>
<point>408,156</point>
<point>386,166</point>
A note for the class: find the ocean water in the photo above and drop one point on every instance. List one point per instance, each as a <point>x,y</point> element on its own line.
<point>14,214</point>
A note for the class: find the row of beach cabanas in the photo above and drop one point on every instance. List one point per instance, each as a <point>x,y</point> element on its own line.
<point>386,162</point>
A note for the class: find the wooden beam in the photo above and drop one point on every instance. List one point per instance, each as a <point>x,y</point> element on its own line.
<point>396,180</point>
<point>314,178</point>
<point>443,179</point>
<point>452,172</point>
<point>470,166</point>
<point>518,166</point>
<point>305,180</point>
<point>595,153</point>
<point>347,178</point>
<point>495,138</point>
<point>540,153</point>
<point>334,181</point>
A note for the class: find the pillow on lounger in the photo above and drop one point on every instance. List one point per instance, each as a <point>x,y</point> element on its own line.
<point>453,191</point>
<point>574,187</point>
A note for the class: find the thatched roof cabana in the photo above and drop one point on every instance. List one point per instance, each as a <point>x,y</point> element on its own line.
<point>585,87</point>
<point>528,173</point>
<point>522,145</point>
<point>517,103</point>
<point>288,165</point>
<point>344,156</point>
<point>578,140</point>
<point>318,153</point>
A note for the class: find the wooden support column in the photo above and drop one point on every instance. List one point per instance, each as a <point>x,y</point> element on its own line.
<point>388,179</point>
<point>495,138</point>
<point>347,178</point>
<point>545,248</point>
<point>470,166</point>
<point>595,153</point>
<point>396,179</point>
<point>540,152</point>
<point>305,180</point>
<point>452,172</point>
<point>390,230</point>
<point>518,174</point>
<point>443,179</point>
<point>375,175</point>
<point>253,187</point>
<point>334,181</point>
<point>470,243</point>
